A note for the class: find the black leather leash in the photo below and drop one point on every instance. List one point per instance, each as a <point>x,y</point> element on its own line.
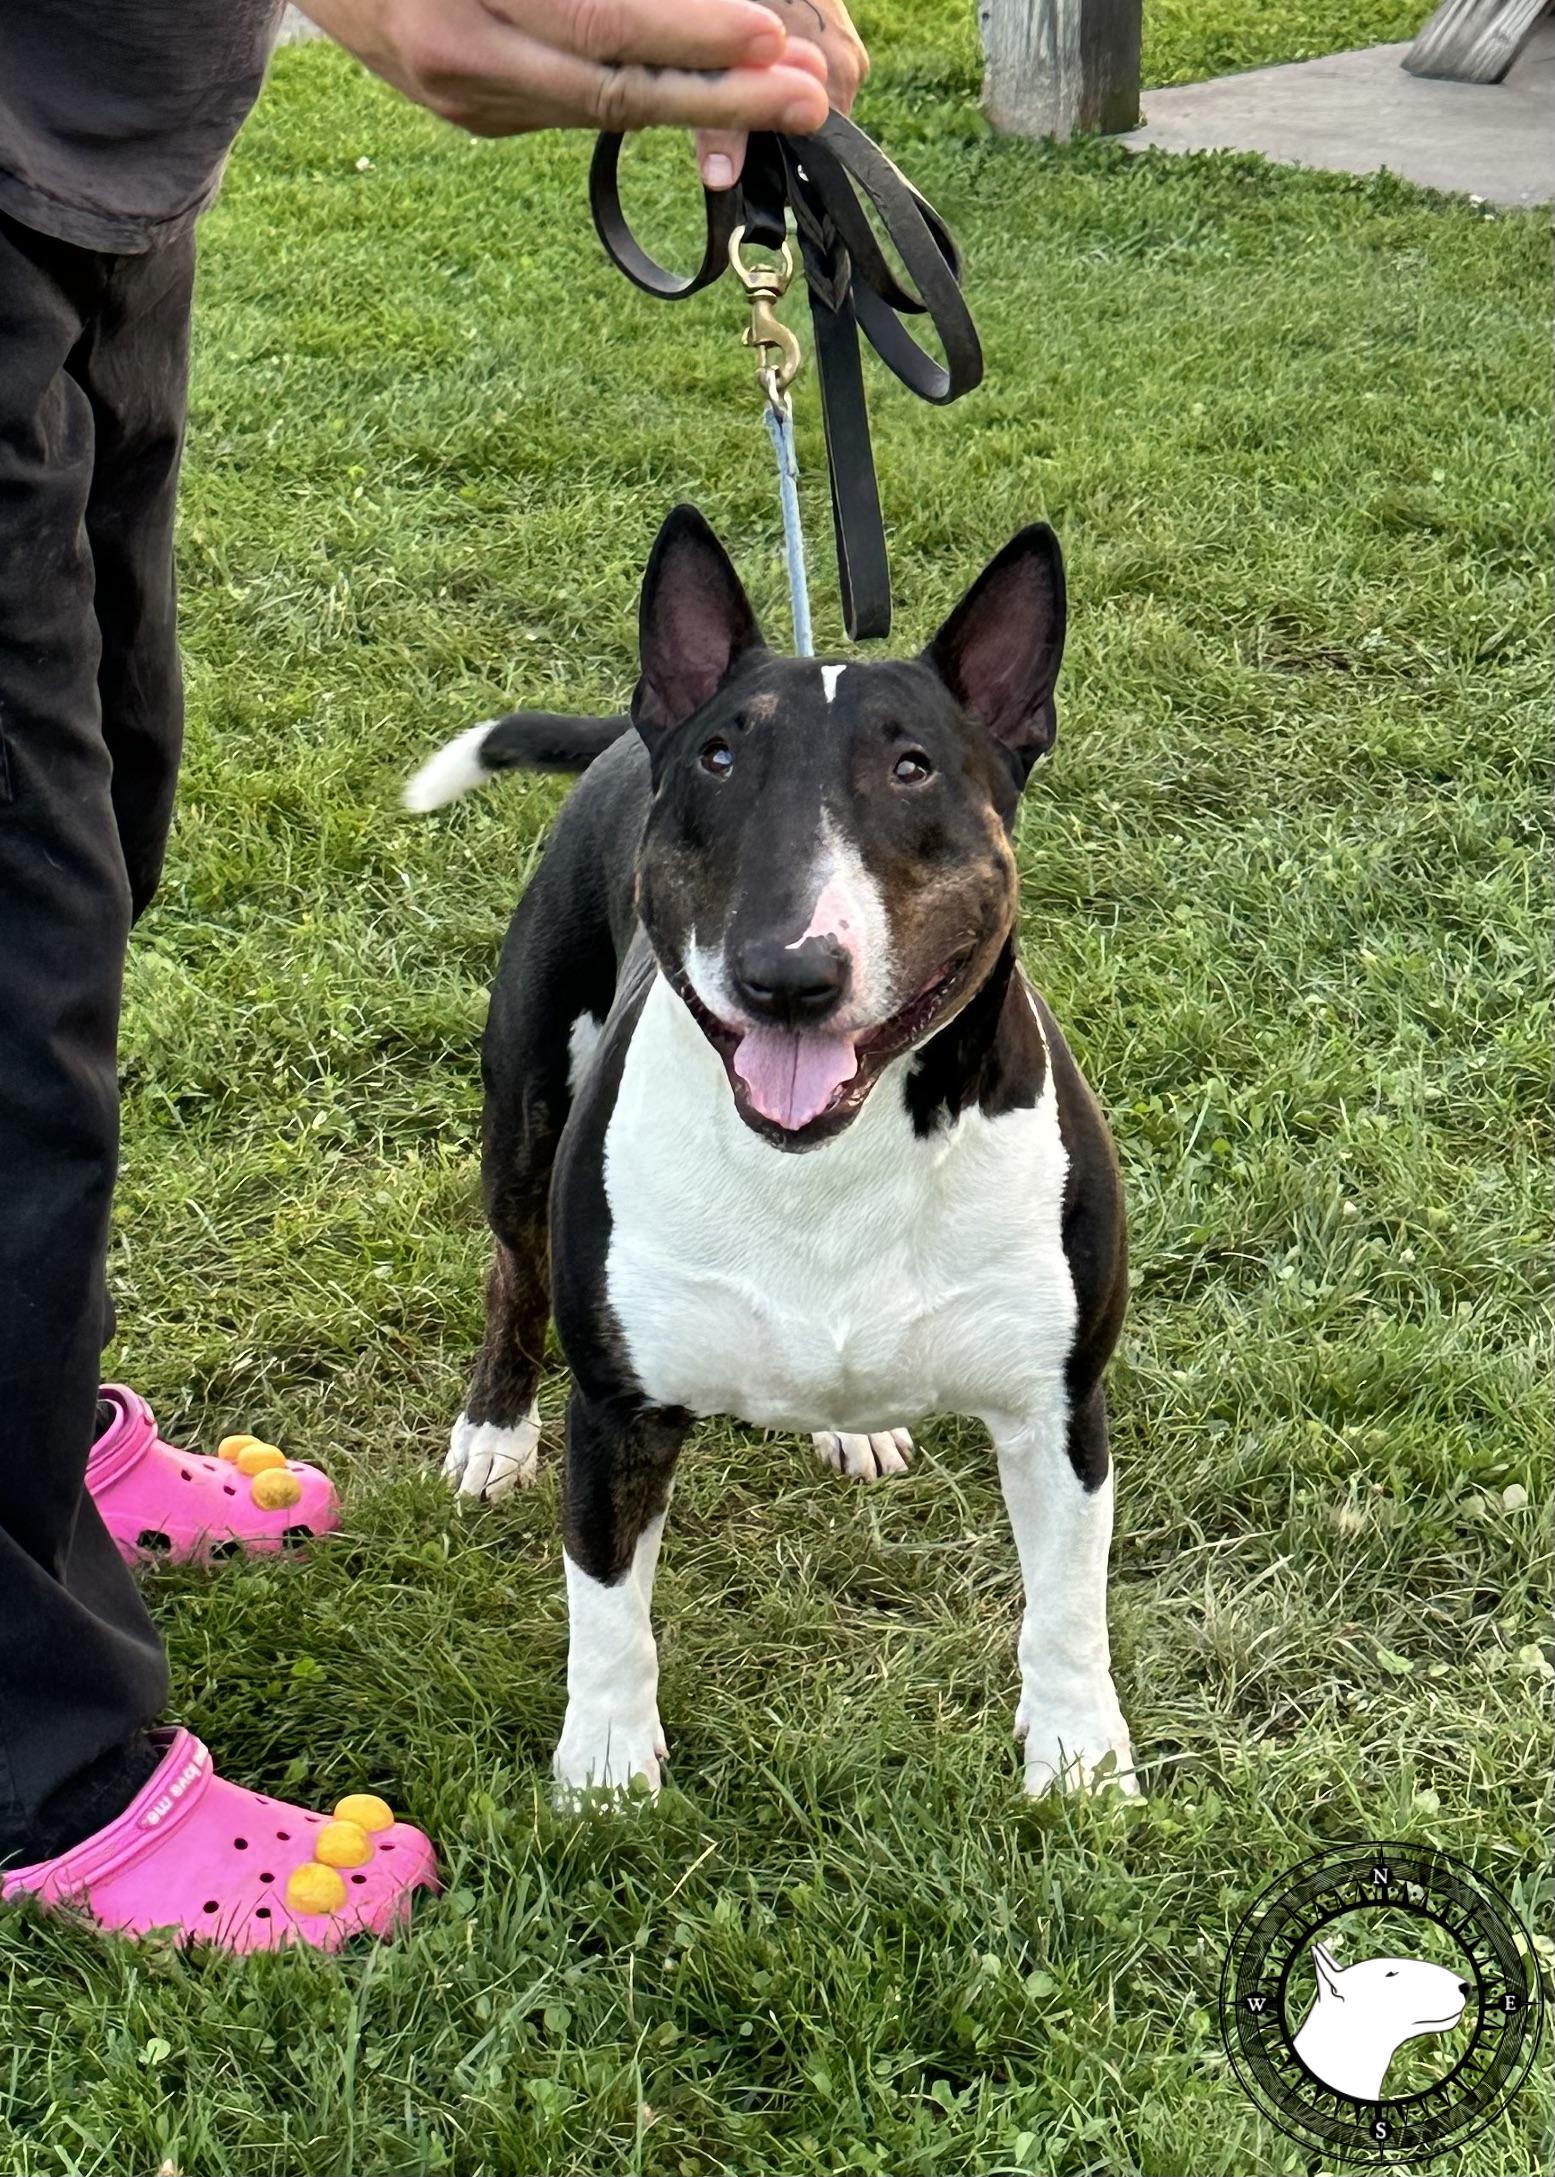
<point>819,179</point>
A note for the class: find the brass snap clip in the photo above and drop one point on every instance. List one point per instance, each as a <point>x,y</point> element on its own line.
<point>766,285</point>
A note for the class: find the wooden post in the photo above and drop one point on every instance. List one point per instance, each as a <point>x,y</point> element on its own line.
<point>1058,66</point>
<point>1473,41</point>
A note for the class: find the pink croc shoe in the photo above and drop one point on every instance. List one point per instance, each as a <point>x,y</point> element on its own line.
<point>159,1501</point>
<point>211,1863</point>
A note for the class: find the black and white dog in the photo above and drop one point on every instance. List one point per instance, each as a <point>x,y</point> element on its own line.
<point>777,1126</point>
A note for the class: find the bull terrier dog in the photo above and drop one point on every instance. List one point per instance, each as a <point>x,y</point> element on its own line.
<point>777,1127</point>
<point>1364,2013</point>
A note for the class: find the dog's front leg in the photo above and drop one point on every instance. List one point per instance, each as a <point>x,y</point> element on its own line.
<point>1057,1482</point>
<point>620,1470</point>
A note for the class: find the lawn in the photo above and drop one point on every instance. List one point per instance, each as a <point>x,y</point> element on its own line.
<point>1285,881</point>
<point>917,45</point>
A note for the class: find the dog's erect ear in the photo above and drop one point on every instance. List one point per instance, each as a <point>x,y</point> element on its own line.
<point>694,623</point>
<point>1000,650</point>
<point>1327,1968</point>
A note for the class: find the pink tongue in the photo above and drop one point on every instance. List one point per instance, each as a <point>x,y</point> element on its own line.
<point>793,1077</point>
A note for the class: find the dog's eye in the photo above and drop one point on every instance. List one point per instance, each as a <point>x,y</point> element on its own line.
<point>912,769</point>
<point>717,758</point>
<point>1390,1976</point>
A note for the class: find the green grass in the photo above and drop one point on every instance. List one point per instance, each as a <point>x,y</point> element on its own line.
<point>918,48</point>
<point>1284,881</point>
<point>1186,40</point>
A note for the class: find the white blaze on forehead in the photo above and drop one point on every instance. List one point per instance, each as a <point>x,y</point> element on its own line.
<point>830,675</point>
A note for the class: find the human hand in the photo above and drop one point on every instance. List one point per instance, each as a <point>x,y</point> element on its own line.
<point>501,67</point>
<point>827,25</point>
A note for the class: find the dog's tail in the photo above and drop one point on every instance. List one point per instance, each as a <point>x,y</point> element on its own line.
<point>522,741</point>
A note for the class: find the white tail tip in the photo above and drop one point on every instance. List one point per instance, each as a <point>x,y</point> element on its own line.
<point>450,773</point>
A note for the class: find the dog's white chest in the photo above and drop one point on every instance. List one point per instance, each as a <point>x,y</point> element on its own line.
<point>856,1287</point>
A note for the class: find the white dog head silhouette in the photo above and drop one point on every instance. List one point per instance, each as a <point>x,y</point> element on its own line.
<point>1367,2010</point>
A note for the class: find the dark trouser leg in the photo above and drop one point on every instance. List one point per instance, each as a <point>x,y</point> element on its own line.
<point>134,368</point>
<point>91,398</point>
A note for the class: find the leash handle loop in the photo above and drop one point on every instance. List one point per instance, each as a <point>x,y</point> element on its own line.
<point>852,288</point>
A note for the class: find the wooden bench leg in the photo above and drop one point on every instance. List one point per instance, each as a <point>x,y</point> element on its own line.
<point>1474,41</point>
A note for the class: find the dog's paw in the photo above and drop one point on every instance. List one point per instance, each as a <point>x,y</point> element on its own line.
<point>1084,1747</point>
<point>865,1458</point>
<point>487,1461</point>
<point>601,1751</point>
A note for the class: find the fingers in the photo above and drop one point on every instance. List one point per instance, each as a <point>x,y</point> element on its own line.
<point>800,53</point>
<point>720,157</point>
<point>661,33</point>
<point>552,90</point>
<point>720,153</point>
<point>736,99</point>
<point>740,100</point>
<point>829,25</point>
<point>484,74</point>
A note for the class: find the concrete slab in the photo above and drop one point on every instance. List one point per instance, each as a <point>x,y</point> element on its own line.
<point>1355,112</point>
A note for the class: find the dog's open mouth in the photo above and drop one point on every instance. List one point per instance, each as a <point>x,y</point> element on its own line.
<point>808,1082</point>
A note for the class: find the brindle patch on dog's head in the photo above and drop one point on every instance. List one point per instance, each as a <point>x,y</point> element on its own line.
<point>825,872</point>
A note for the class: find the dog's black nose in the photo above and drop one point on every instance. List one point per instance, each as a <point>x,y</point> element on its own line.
<point>1464,1989</point>
<point>795,985</point>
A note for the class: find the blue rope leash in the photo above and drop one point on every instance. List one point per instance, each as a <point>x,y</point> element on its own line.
<point>779,418</point>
